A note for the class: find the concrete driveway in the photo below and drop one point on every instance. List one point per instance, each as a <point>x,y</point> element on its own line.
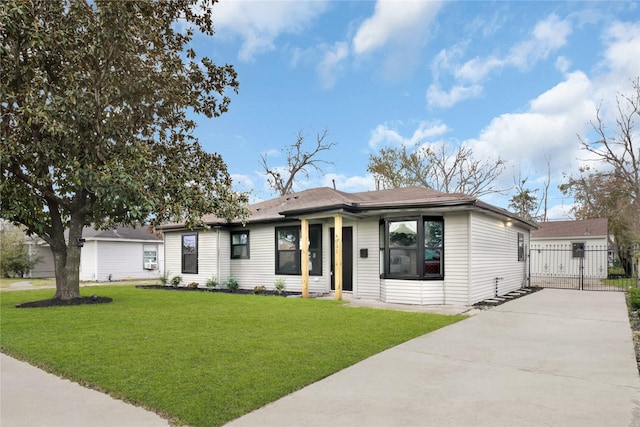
<point>552,358</point>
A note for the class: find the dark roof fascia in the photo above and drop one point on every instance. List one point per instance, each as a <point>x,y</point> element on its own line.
<point>347,208</point>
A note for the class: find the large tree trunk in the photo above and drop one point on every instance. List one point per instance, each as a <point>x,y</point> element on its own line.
<point>66,258</point>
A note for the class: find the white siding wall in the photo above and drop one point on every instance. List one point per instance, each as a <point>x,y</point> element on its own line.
<point>88,261</point>
<point>45,267</point>
<point>366,280</point>
<point>259,269</point>
<point>172,255</point>
<point>207,256</point>
<point>121,260</point>
<point>456,258</point>
<point>494,254</point>
<point>558,252</point>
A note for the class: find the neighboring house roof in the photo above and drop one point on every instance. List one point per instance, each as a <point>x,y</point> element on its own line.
<point>325,200</point>
<point>140,233</point>
<point>576,228</point>
<point>121,233</point>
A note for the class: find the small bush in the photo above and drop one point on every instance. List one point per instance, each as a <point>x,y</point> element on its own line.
<point>176,280</point>
<point>164,278</point>
<point>232,284</point>
<point>634,298</point>
<point>259,290</point>
<point>193,285</point>
<point>212,282</point>
<point>279,285</point>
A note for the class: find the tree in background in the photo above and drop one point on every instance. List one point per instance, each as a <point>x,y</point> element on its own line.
<point>15,258</point>
<point>94,126</point>
<point>437,167</point>
<point>525,201</point>
<point>299,162</point>
<point>612,192</point>
<point>395,167</point>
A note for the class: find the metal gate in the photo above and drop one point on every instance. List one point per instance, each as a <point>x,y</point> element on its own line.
<point>574,266</point>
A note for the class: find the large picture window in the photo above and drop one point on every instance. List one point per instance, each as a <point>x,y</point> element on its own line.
<point>240,244</point>
<point>413,248</point>
<point>288,250</point>
<point>190,253</point>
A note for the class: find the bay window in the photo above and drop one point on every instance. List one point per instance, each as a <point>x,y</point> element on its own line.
<point>413,248</point>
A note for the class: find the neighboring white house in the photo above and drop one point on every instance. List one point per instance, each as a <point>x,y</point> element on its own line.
<point>570,248</point>
<point>123,253</point>
<point>407,245</point>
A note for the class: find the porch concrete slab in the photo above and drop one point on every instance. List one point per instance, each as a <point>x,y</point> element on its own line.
<point>552,358</point>
<point>31,397</point>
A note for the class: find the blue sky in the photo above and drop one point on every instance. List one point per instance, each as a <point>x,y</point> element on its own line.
<point>517,80</point>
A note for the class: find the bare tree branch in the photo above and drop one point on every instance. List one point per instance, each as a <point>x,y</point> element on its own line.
<point>298,163</point>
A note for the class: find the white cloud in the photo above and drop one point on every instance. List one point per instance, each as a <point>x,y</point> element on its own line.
<point>437,97</point>
<point>547,130</point>
<point>394,22</point>
<point>382,135</point>
<point>547,36</point>
<point>620,63</point>
<point>258,24</point>
<point>565,96</point>
<point>477,69</point>
<point>331,64</point>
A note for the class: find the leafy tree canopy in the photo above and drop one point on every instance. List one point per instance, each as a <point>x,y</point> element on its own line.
<point>95,129</point>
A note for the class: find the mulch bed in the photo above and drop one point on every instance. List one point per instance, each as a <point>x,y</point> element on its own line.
<point>55,302</point>
<point>219,290</point>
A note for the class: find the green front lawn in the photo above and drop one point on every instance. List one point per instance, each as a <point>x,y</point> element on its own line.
<point>201,359</point>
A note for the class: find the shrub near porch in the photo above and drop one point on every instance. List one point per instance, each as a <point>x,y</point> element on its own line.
<point>201,359</point>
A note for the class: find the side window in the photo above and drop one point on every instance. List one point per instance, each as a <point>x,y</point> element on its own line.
<point>315,250</point>
<point>150,257</point>
<point>403,248</point>
<point>190,253</point>
<point>520,247</point>
<point>577,249</point>
<point>240,244</point>
<point>287,250</point>
<point>433,248</point>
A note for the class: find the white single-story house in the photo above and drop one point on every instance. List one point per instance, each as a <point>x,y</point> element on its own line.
<point>571,248</point>
<point>408,245</point>
<point>122,253</point>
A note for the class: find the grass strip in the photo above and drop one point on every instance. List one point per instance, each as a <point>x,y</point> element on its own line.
<point>200,359</point>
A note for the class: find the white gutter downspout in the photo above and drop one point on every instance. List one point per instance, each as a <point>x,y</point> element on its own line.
<point>218,278</point>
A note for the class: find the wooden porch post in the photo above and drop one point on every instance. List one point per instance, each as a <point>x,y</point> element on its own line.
<point>304,262</point>
<point>337,256</point>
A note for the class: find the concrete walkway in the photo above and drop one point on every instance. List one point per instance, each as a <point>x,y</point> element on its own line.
<point>31,397</point>
<point>552,358</point>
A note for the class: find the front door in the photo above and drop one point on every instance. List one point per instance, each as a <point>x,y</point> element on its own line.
<point>347,259</point>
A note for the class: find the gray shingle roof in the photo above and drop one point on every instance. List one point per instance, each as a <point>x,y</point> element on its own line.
<point>574,228</point>
<point>326,200</point>
<point>124,233</point>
